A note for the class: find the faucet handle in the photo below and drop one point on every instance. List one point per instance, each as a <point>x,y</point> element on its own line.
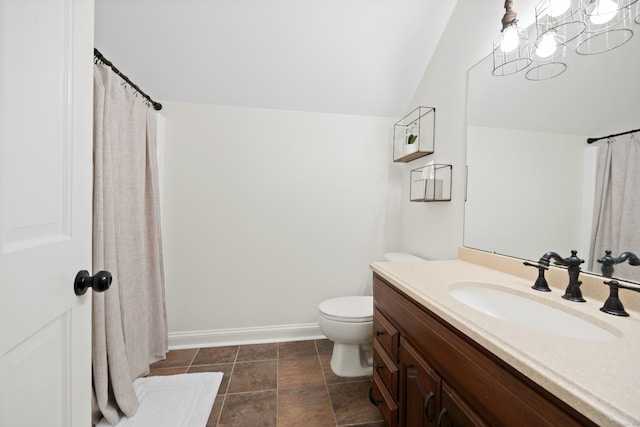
<point>541,283</point>
<point>573,260</point>
<point>613,305</point>
<point>536,264</point>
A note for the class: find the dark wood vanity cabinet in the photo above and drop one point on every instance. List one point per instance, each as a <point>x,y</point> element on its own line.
<point>426,399</point>
<point>427,373</point>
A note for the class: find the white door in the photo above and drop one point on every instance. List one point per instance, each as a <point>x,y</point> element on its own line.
<point>46,91</point>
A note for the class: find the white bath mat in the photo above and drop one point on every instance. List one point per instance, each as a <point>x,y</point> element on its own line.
<point>183,400</point>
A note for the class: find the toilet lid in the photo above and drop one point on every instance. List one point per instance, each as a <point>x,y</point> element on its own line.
<point>348,309</point>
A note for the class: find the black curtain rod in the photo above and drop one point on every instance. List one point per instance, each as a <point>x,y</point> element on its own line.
<point>100,57</point>
<point>590,140</point>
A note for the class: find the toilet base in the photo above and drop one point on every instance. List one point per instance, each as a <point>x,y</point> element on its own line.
<point>351,360</point>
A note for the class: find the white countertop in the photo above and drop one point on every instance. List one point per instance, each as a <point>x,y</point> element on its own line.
<point>600,379</point>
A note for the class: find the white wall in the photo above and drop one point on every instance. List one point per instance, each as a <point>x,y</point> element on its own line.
<point>521,208</point>
<point>434,230</point>
<point>266,214</point>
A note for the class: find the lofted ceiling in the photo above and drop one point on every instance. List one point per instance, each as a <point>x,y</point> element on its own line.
<point>337,56</point>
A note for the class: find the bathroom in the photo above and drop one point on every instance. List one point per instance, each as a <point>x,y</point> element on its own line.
<point>267,212</point>
<point>309,199</point>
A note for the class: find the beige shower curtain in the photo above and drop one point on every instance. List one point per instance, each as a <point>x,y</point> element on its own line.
<point>129,320</point>
<point>616,215</point>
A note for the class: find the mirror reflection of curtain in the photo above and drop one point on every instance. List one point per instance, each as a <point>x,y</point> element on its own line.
<point>616,216</point>
<point>129,320</point>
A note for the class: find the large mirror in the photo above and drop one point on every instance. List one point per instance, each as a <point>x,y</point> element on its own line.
<point>531,173</point>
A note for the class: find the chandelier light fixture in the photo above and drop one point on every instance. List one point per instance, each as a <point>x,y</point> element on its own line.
<point>608,25</point>
<point>588,26</point>
<point>558,22</point>
<point>511,48</point>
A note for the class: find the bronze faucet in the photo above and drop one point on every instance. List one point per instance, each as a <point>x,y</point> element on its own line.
<point>573,292</point>
<point>608,261</point>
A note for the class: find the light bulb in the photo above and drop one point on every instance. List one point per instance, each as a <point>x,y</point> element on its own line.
<point>555,8</point>
<point>604,12</point>
<point>547,46</point>
<point>510,39</point>
<point>558,7</point>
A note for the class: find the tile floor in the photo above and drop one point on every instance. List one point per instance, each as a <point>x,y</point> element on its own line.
<point>278,385</point>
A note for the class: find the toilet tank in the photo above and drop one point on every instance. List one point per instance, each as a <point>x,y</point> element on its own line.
<point>401,256</point>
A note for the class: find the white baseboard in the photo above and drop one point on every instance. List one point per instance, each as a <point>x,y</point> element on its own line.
<point>242,336</point>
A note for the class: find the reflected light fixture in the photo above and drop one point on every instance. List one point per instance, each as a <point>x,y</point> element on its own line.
<point>547,45</point>
<point>602,11</point>
<point>548,59</point>
<point>608,26</point>
<point>557,23</point>
<point>511,48</point>
<point>560,7</point>
<point>563,18</point>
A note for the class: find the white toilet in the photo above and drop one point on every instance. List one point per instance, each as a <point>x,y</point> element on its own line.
<point>348,322</point>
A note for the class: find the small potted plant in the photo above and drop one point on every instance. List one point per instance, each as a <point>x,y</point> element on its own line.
<point>410,146</point>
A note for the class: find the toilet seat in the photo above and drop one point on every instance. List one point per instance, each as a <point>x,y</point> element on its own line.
<point>353,309</point>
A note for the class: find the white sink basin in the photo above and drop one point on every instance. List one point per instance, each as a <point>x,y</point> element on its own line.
<point>528,312</point>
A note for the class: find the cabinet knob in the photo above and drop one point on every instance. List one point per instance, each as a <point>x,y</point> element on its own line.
<point>373,399</point>
<point>378,333</point>
<point>379,366</point>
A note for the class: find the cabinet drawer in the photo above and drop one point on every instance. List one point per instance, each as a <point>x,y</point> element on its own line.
<point>383,400</point>
<point>385,334</point>
<point>386,368</point>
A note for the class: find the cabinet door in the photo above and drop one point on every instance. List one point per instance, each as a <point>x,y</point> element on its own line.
<point>455,412</point>
<point>420,384</point>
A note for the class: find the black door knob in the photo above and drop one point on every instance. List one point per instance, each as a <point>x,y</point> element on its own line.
<point>100,282</point>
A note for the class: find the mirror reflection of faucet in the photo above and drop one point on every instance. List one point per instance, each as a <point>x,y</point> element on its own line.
<point>573,292</point>
<point>608,261</point>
